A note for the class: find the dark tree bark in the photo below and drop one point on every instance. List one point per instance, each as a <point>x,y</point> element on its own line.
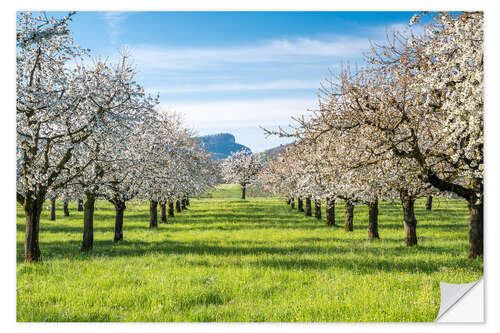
<point>292,202</point>
<point>308,207</point>
<point>428,203</point>
<point>243,191</point>
<point>65,208</point>
<point>472,194</point>
<point>300,204</point>
<point>187,201</point>
<point>163,211</point>
<point>475,228</point>
<point>317,209</point>
<point>80,205</point>
<point>409,221</point>
<point>373,219</point>
<point>288,201</point>
<point>32,210</point>
<point>88,222</point>
<point>349,215</point>
<point>178,206</point>
<point>153,214</point>
<point>183,204</point>
<point>119,212</point>
<point>171,208</point>
<point>53,209</point>
<point>330,211</point>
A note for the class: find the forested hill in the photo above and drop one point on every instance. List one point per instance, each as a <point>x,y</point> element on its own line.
<point>221,145</point>
<point>273,152</point>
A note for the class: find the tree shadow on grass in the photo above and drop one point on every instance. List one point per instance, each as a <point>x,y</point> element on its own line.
<point>363,260</point>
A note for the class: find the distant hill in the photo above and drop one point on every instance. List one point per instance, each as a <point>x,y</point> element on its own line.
<point>221,145</point>
<point>273,152</point>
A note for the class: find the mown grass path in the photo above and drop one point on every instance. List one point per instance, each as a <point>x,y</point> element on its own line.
<point>226,259</point>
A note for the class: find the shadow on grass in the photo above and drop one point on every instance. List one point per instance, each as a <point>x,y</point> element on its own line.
<point>363,260</point>
<point>354,254</point>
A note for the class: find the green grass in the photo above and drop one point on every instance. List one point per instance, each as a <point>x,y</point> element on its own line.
<point>228,191</point>
<point>225,259</point>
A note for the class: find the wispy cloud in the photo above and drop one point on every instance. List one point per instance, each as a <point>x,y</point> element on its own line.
<point>243,113</point>
<point>114,21</point>
<point>238,86</point>
<point>298,50</point>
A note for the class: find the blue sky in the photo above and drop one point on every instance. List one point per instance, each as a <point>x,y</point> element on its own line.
<point>235,71</point>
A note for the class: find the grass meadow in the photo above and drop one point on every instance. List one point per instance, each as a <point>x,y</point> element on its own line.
<point>226,259</point>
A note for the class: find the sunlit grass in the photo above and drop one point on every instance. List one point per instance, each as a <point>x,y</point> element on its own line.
<point>226,259</point>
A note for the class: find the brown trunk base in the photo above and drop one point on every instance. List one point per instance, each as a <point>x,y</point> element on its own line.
<point>330,212</point>
<point>349,216</point>
<point>65,208</point>
<point>153,214</point>
<point>32,210</point>
<point>317,209</point>
<point>163,212</point>
<point>88,223</point>
<point>409,221</point>
<point>476,225</point>
<point>171,209</point>
<point>300,205</point>
<point>52,209</point>
<point>428,202</point>
<point>373,220</point>
<point>308,207</point>
<point>119,212</point>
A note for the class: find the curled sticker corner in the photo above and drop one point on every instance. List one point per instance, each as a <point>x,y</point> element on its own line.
<point>451,294</point>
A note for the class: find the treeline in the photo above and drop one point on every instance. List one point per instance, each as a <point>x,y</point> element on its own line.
<point>86,130</point>
<point>407,124</point>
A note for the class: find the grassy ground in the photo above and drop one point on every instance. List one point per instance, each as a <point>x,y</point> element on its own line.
<point>226,259</point>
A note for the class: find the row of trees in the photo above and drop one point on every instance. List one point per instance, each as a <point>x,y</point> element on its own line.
<point>407,124</point>
<point>241,168</point>
<point>87,130</point>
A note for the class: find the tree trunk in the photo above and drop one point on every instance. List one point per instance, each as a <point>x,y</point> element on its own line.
<point>163,210</point>
<point>32,210</point>
<point>409,221</point>
<point>308,207</point>
<point>119,212</point>
<point>88,223</point>
<point>317,209</point>
<point>243,191</point>
<point>300,204</point>
<point>292,202</point>
<point>288,201</point>
<point>373,219</point>
<point>330,211</point>
<point>65,208</point>
<point>53,209</point>
<point>170,208</point>
<point>178,206</point>
<point>153,214</point>
<point>183,204</point>
<point>475,229</point>
<point>349,215</point>
<point>80,205</point>
<point>428,203</point>
<point>187,201</point>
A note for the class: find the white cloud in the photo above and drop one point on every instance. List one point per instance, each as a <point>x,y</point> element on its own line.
<point>243,113</point>
<point>297,50</point>
<point>235,86</point>
<point>114,20</point>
